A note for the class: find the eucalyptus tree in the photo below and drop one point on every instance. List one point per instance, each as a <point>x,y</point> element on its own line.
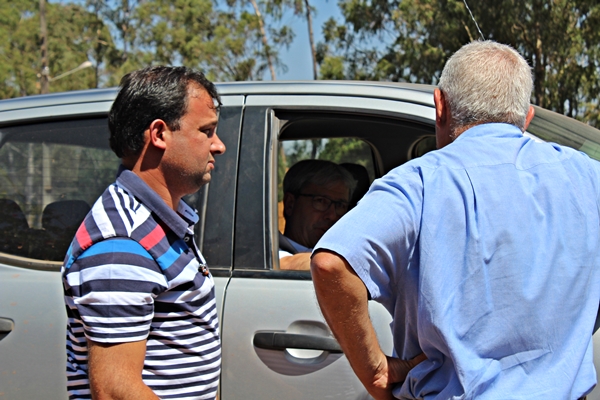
<point>410,40</point>
<point>72,33</point>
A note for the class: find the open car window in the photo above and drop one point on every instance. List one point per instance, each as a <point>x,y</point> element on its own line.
<point>367,146</point>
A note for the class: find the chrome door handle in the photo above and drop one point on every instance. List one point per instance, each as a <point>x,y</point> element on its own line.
<point>6,326</point>
<point>278,340</point>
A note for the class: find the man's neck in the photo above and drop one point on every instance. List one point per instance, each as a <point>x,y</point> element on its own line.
<point>156,181</point>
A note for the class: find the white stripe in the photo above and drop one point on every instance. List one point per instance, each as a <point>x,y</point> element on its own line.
<point>115,298</point>
<point>141,213</point>
<point>209,395</point>
<point>187,275</point>
<point>184,330</point>
<point>116,272</point>
<point>139,216</point>
<point>196,342</point>
<point>118,320</point>
<point>101,219</point>
<point>170,380</point>
<point>142,329</point>
<point>184,361</point>
<point>131,339</point>
<point>117,194</point>
<point>168,351</point>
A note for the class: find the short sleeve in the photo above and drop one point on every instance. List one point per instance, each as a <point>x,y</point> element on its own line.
<point>378,237</point>
<point>111,288</point>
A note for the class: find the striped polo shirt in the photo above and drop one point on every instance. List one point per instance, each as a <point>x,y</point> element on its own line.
<point>133,272</point>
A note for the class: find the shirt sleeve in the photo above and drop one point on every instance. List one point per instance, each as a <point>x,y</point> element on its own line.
<point>112,286</point>
<point>378,237</point>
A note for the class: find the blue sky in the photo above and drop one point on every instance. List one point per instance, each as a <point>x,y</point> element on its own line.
<point>297,57</point>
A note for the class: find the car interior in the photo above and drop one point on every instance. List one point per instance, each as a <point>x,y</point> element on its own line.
<point>367,146</point>
<point>50,175</point>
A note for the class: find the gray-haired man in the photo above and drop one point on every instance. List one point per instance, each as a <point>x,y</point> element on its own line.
<point>316,195</point>
<point>485,252</point>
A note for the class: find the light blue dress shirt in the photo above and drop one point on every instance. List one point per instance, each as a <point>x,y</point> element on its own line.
<point>487,255</point>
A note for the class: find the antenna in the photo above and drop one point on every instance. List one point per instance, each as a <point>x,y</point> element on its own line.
<point>473,18</point>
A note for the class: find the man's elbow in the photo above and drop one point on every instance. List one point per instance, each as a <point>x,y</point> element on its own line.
<point>327,265</point>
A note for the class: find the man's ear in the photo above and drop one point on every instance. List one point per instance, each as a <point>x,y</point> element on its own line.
<point>529,117</point>
<point>157,131</point>
<point>288,204</point>
<point>441,111</point>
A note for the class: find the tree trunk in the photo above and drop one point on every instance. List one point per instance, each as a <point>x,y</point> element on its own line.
<point>263,33</point>
<point>45,72</point>
<point>313,51</point>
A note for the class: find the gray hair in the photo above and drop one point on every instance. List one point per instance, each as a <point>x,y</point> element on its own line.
<point>485,81</point>
<point>317,172</point>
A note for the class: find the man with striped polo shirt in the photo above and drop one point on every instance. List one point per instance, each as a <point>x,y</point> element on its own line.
<point>142,318</point>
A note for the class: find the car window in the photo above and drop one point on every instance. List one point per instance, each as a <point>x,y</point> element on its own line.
<point>553,127</point>
<point>50,176</point>
<point>365,145</point>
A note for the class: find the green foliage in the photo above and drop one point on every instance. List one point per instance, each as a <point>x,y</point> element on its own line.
<point>410,40</point>
<point>18,49</point>
<point>74,36</point>
<point>121,36</point>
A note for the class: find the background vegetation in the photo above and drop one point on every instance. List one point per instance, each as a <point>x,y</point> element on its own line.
<point>394,40</point>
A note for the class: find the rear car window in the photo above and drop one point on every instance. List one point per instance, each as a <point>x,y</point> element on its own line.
<point>50,175</point>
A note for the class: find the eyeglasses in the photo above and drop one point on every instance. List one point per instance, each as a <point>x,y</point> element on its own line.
<point>322,203</point>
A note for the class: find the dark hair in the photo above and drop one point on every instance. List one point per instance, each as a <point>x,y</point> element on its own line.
<point>147,94</point>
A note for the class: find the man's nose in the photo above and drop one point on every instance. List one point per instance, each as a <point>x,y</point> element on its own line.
<point>217,146</point>
<point>330,213</point>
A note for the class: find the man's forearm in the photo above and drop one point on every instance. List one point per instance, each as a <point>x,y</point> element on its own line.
<point>299,262</point>
<point>343,300</point>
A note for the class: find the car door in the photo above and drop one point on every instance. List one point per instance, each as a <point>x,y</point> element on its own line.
<point>275,341</point>
<point>51,172</point>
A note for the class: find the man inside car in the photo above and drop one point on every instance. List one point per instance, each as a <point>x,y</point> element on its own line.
<point>316,194</point>
<point>142,318</point>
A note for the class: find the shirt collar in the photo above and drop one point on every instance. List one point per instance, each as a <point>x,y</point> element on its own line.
<point>491,129</point>
<point>178,222</point>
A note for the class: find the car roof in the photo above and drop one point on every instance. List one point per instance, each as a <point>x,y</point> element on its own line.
<point>98,101</point>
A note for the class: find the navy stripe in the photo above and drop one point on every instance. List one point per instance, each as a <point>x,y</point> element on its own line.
<point>126,285</point>
<point>123,198</point>
<point>116,311</point>
<point>189,394</point>
<point>99,336</point>
<point>176,386</point>
<point>113,215</point>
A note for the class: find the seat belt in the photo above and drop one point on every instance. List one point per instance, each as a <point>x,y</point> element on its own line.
<point>285,245</point>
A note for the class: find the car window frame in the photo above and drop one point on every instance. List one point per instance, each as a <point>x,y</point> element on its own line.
<point>256,226</point>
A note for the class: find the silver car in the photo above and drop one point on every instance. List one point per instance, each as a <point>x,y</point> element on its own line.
<point>55,162</point>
